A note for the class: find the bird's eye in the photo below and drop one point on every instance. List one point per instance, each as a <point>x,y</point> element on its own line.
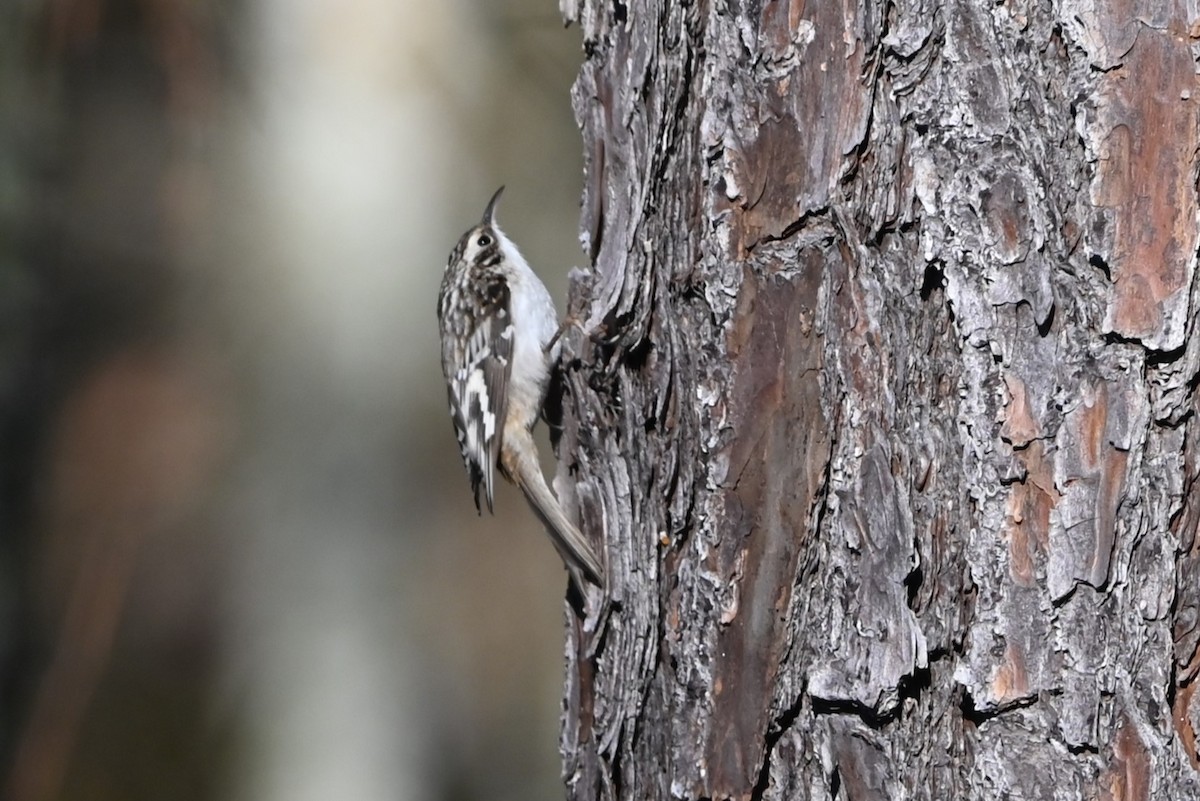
<point>483,241</point>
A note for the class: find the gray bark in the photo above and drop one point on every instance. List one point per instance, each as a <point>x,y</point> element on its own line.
<point>887,419</point>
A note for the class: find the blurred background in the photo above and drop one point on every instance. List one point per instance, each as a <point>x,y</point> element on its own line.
<point>238,553</point>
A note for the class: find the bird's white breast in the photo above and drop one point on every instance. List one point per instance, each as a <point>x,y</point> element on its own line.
<point>535,321</point>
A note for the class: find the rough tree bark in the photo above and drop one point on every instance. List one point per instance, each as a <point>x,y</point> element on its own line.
<point>890,430</point>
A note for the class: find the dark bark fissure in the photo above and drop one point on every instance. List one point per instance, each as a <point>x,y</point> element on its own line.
<point>778,728</point>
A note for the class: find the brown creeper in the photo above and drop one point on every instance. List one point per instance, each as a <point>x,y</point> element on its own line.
<point>499,344</point>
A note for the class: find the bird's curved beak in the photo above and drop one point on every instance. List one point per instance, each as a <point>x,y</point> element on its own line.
<point>489,214</point>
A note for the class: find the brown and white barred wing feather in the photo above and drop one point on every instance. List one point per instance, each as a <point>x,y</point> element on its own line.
<point>477,361</point>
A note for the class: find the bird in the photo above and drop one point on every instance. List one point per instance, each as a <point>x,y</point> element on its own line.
<point>499,333</point>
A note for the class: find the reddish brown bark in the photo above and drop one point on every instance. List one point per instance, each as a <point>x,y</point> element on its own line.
<point>890,430</point>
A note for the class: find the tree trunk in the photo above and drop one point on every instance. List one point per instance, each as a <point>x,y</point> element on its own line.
<point>886,417</point>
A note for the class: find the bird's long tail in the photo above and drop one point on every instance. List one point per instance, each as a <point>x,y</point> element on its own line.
<point>574,548</point>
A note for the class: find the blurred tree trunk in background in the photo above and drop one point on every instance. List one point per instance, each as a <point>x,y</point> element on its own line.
<point>114,406</point>
<point>889,426</point>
